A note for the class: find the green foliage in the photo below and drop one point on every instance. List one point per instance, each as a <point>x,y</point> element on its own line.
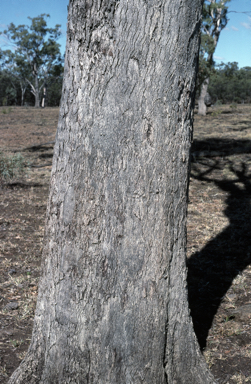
<point>33,46</point>
<point>229,84</point>
<point>16,343</point>
<point>6,111</point>
<point>54,91</point>
<point>12,166</point>
<point>214,11</point>
<point>233,106</point>
<point>216,109</point>
<point>9,88</point>
<point>218,103</point>
<point>216,112</point>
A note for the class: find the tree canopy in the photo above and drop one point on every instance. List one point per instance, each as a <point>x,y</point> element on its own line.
<point>229,84</point>
<point>34,53</point>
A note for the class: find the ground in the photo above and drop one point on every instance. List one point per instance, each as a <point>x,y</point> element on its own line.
<point>219,233</point>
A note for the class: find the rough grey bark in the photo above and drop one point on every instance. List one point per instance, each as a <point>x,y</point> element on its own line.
<point>112,305</point>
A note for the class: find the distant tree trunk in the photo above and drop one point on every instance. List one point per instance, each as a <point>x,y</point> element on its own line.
<point>22,97</point>
<point>112,305</point>
<point>202,108</point>
<point>217,14</point>
<point>36,86</point>
<point>44,96</point>
<point>23,90</point>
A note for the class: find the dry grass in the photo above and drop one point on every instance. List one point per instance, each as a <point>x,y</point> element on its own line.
<point>219,232</point>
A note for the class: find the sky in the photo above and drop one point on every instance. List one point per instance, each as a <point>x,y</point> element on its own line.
<point>234,43</point>
<point>235,39</point>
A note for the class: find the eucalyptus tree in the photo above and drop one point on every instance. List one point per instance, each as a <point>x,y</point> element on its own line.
<point>213,22</point>
<point>35,50</point>
<point>112,304</point>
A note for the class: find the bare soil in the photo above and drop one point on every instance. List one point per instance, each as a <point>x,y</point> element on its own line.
<point>219,234</point>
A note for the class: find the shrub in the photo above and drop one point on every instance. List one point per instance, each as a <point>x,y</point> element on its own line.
<point>12,165</point>
<point>6,111</point>
<point>218,103</point>
<point>233,106</point>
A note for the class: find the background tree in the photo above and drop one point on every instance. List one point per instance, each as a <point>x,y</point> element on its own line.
<point>17,69</point>
<point>213,22</point>
<point>35,52</point>
<point>9,89</point>
<point>8,85</point>
<point>229,84</point>
<point>54,85</point>
<point>112,305</point>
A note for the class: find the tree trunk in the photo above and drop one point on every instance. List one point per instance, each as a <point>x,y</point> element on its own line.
<point>36,86</point>
<point>202,108</point>
<point>112,305</point>
<point>23,89</point>
<point>22,97</point>
<point>44,95</point>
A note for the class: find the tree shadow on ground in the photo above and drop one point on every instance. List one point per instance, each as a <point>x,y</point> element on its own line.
<point>212,270</point>
<point>212,147</point>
